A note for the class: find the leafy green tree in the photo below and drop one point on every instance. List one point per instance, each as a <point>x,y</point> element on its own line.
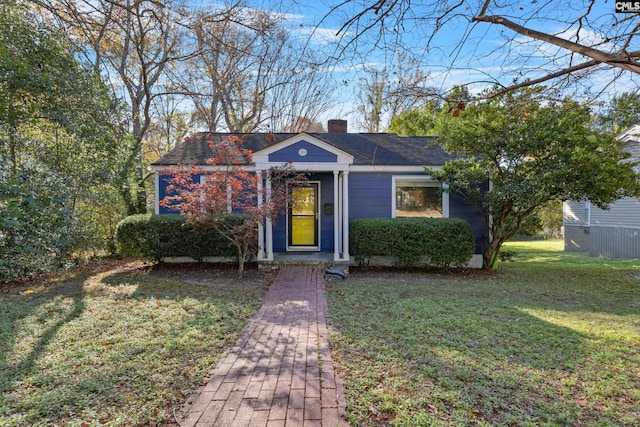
<point>622,112</point>
<point>545,223</point>
<point>52,108</point>
<point>419,121</point>
<point>36,227</point>
<point>551,220</point>
<point>136,45</point>
<point>530,151</point>
<point>27,62</point>
<point>58,125</point>
<point>428,119</point>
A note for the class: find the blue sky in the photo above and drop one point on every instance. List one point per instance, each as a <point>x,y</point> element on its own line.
<point>483,58</point>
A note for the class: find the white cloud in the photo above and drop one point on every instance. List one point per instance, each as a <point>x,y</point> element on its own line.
<point>321,36</point>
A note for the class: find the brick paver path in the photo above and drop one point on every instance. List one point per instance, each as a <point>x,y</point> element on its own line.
<point>279,373</point>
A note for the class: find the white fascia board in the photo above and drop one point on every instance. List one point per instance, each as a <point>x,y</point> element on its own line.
<point>203,168</point>
<point>392,169</point>
<point>262,156</point>
<point>315,167</point>
<point>631,134</point>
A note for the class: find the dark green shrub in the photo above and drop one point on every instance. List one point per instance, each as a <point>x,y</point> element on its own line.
<point>38,230</point>
<point>135,238</point>
<point>438,242</point>
<point>155,237</point>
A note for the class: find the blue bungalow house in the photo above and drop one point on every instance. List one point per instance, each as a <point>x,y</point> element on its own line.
<point>351,175</point>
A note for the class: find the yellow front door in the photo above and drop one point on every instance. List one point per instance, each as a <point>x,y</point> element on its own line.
<point>303,216</point>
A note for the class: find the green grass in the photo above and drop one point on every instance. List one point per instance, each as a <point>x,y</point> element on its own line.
<point>114,347</point>
<point>550,339</point>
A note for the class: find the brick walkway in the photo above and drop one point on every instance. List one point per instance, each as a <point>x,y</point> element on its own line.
<point>279,373</point>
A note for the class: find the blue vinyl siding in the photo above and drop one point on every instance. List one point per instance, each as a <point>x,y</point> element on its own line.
<point>458,208</point>
<point>326,221</point>
<point>163,183</point>
<point>370,195</point>
<point>280,234</point>
<point>314,154</point>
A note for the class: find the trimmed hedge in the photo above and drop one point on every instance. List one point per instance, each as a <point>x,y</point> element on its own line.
<point>413,242</point>
<point>154,237</point>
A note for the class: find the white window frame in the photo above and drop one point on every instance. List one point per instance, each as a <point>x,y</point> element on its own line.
<point>420,181</point>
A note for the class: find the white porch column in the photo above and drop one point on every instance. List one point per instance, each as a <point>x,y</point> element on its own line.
<point>345,216</point>
<point>156,177</point>
<point>261,252</point>
<point>336,217</point>
<point>269,223</point>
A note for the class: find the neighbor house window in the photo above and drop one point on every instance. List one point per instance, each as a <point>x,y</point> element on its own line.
<point>420,197</point>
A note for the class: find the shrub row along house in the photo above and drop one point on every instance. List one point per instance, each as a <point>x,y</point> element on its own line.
<point>350,176</point>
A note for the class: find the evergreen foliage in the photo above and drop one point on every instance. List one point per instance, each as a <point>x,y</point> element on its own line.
<point>155,237</point>
<point>37,231</point>
<point>413,242</point>
<point>58,126</point>
<point>533,151</point>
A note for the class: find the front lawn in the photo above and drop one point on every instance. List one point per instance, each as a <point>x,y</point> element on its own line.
<point>551,339</point>
<point>116,344</point>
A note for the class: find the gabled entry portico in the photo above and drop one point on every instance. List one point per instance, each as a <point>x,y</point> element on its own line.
<point>327,201</point>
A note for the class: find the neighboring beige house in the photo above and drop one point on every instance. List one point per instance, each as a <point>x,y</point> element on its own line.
<point>613,233</point>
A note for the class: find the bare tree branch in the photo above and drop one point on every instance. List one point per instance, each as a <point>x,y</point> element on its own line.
<point>622,60</point>
<point>537,41</point>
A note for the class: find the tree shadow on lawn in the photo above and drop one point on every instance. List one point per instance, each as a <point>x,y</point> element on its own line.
<point>464,352</point>
<point>92,340</point>
<point>225,298</point>
<point>31,317</point>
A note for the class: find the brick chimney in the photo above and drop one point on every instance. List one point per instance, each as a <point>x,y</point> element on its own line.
<point>337,125</point>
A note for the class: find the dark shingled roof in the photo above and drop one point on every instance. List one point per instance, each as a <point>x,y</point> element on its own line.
<point>366,148</point>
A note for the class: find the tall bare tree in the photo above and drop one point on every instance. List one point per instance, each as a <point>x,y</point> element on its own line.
<point>304,124</point>
<point>250,73</point>
<point>170,124</point>
<point>133,43</point>
<point>372,88</point>
<point>219,81</point>
<point>387,92</point>
<point>532,42</point>
<point>304,91</point>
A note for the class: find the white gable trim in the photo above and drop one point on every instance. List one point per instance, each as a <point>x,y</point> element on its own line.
<point>630,135</point>
<point>261,158</point>
<point>304,166</point>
